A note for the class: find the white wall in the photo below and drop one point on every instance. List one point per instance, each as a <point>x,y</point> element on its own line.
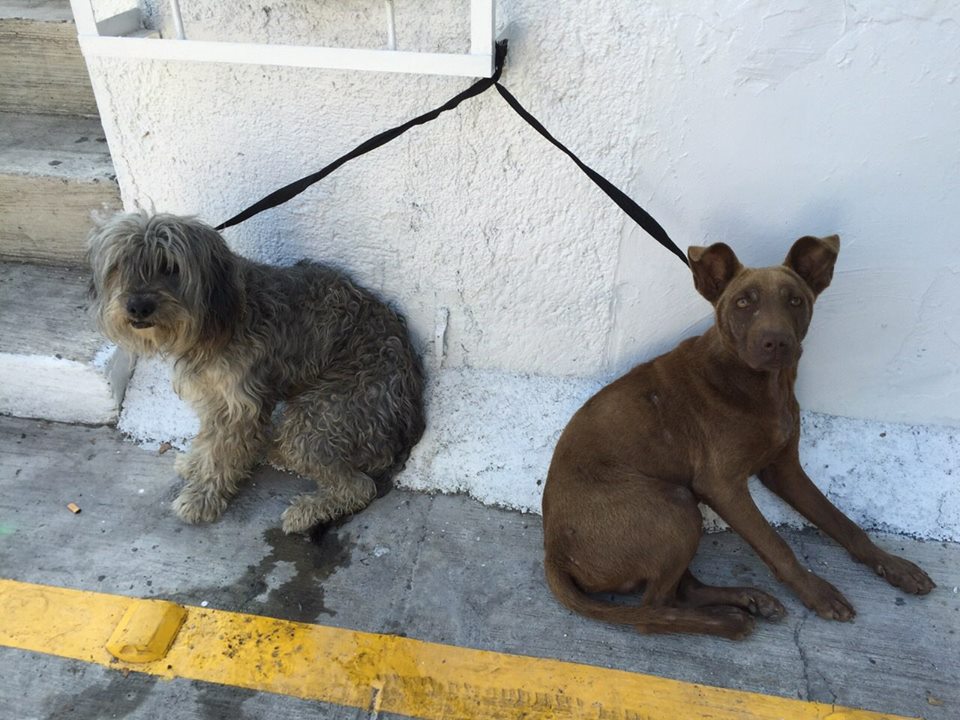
<point>747,122</point>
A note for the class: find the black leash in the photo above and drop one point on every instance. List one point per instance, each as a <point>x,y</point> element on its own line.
<point>636,213</point>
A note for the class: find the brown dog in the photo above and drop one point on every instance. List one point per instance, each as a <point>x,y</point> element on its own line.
<point>620,504</point>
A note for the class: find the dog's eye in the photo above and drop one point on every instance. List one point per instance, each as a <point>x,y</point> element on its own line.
<point>170,268</point>
<point>796,300</point>
<point>743,302</point>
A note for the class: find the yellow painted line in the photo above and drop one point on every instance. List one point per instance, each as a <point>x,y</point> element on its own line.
<point>377,672</point>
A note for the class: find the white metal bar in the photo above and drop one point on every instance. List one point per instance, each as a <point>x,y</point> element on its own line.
<point>145,34</point>
<point>122,24</point>
<point>177,19</point>
<point>84,16</point>
<point>461,65</point>
<point>482,27</point>
<point>391,26</point>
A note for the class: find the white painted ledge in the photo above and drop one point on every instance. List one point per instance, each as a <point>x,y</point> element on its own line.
<point>491,435</point>
<point>64,390</point>
<point>53,361</point>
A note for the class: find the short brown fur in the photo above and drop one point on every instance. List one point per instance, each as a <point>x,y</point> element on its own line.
<point>620,504</point>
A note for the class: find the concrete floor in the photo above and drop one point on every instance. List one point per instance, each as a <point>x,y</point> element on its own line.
<point>442,568</point>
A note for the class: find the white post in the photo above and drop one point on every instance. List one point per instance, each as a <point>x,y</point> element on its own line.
<point>83,16</point>
<point>482,27</point>
<point>177,19</point>
<point>391,26</point>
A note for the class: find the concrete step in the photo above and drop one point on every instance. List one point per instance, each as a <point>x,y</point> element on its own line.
<point>54,364</point>
<point>41,68</point>
<point>54,171</point>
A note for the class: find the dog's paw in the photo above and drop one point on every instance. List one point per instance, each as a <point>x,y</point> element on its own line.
<point>196,504</point>
<point>275,458</point>
<point>903,574</point>
<point>304,512</point>
<point>825,600</point>
<point>758,603</point>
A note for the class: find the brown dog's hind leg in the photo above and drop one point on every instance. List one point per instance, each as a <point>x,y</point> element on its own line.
<point>693,593</point>
<point>638,532</point>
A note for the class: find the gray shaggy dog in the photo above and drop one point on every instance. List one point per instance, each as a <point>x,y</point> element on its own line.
<point>246,336</point>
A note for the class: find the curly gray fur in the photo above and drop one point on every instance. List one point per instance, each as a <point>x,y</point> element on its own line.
<point>246,336</point>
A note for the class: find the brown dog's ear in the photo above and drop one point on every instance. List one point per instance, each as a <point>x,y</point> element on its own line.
<point>713,269</point>
<point>813,258</point>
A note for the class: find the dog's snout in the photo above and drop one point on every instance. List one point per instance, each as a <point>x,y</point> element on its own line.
<point>777,345</point>
<point>140,307</point>
<point>778,342</point>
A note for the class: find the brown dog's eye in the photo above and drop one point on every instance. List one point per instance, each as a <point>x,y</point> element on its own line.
<point>796,301</point>
<point>743,302</point>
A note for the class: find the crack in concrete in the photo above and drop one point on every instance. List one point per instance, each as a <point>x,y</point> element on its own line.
<point>826,685</point>
<point>940,519</point>
<point>804,660</point>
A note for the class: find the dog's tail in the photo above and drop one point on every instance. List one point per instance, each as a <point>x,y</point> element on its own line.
<point>725,621</point>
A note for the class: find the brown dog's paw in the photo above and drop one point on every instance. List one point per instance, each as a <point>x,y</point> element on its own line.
<point>828,602</point>
<point>730,622</point>
<point>903,574</point>
<point>758,603</point>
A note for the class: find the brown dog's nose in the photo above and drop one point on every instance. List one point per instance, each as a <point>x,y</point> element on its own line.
<point>140,307</point>
<point>776,345</point>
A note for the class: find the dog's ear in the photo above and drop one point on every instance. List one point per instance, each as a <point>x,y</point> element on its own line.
<point>223,298</point>
<point>813,258</point>
<point>713,268</point>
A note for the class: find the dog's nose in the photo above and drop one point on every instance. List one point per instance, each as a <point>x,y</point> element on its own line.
<point>776,344</point>
<point>140,307</point>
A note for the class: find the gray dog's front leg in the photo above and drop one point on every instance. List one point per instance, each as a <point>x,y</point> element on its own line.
<point>221,457</point>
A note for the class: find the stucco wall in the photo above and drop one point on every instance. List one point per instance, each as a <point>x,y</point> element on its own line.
<point>751,123</point>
